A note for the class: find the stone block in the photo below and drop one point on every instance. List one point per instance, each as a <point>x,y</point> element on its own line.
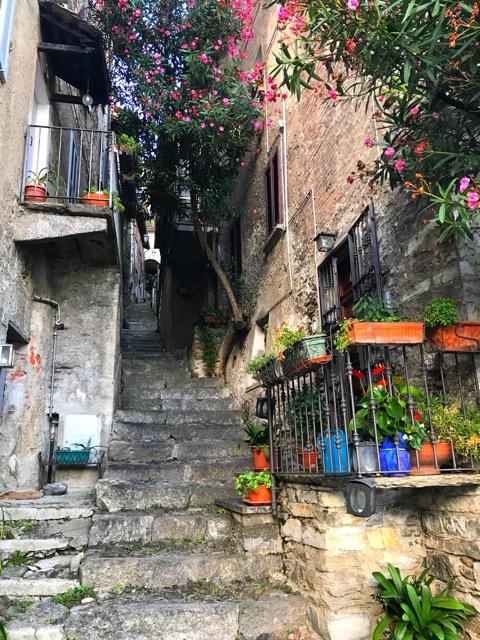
<point>353,626</point>
<point>313,538</point>
<point>21,588</point>
<point>271,617</point>
<point>345,539</point>
<point>292,530</point>
<point>300,510</point>
<point>27,633</point>
<point>382,538</point>
<point>112,528</point>
<point>49,633</point>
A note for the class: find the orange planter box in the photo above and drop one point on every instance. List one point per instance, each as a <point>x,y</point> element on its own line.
<point>387,333</point>
<point>96,199</point>
<point>462,336</point>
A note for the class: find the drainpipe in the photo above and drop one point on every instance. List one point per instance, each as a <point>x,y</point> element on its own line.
<point>53,419</point>
<point>285,191</point>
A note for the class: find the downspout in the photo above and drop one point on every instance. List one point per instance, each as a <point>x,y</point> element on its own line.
<point>285,192</point>
<point>53,419</point>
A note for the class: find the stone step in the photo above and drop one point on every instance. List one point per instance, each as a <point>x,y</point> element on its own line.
<point>173,471</point>
<point>114,495</point>
<point>151,527</point>
<point>136,402</point>
<point>197,404</point>
<point>18,587</point>
<point>200,417</point>
<point>248,619</point>
<point>31,545</point>
<point>161,451</point>
<point>155,572</point>
<point>200,393</point>
<point>138,432</point>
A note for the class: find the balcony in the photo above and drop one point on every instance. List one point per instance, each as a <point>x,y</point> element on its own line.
<point>330,420</point>
<point>61,166</point>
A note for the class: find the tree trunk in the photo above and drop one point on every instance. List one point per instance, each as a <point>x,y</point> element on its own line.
<point>239,322</point>
<point>225,349</point>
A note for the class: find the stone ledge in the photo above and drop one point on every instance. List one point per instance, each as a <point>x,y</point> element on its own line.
<point>451,479</point>
<point>237,506</point>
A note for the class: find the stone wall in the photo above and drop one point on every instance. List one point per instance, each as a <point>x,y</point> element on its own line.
<point>330,555</point>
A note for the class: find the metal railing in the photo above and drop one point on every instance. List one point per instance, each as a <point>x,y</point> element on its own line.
<point>64,164</point>
<point>332,421</point>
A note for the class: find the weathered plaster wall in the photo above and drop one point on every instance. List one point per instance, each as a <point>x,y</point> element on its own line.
<point>330,556</point>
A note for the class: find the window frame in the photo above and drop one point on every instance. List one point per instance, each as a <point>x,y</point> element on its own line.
<point>274,190</point>
<point>7,9</point>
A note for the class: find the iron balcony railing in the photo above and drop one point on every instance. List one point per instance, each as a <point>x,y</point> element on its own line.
<point>332,421</point>
<point>63,164</point>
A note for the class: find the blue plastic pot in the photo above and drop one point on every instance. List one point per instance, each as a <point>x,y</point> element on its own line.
<point>389,462</point>
<point>336,459</point>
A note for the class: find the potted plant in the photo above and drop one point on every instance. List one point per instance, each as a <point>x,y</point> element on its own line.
<point>257,438</point>
<point>36,184</point>
<point>303,411</point>
<point>375,322</point>
<point>445,332</point>
<point>436,449</point>
<point>97,198</point>
<point>73,456</point>
<point>210,315</point>
<point>411,611</point>
<point>258,487</point>
<point>390,422</point>
<point>255,365</point>
<point>298,352</point>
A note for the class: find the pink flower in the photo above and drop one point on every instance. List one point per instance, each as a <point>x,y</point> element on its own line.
<point>367,142</point>
<point>472,199</point>
<point>436,115</point>
<point>349,179</point>
<point>221,128</point>
<point>464,182</point>
<point>414,111</point>
<point>254,211</point>
<point>332,93</point>
<point>352,5</point>
<point>399,164</point>
<point>389,152</point>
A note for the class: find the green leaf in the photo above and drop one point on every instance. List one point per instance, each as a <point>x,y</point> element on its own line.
<point>380,628</point>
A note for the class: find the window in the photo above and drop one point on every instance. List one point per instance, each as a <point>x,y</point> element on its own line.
<point>274,192</point>
<point>6,22</point>
<point>350,271</point>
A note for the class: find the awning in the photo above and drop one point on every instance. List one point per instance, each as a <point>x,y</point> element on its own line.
<point>74,51</point>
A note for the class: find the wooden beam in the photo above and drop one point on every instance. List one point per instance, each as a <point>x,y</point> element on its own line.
<point>52,47</point>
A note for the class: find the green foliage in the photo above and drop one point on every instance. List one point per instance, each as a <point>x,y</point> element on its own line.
<point>74,596</point>
<point>45,176</point>
<point>4,519</point>
<point>342,339</point>
<point>369,309</point>
<point>209,341</point>
<point>129,144</point>
<point>3,633</point>
<point>416,614</point>
<point>285,336</point>
<point>441,311</point>
<point>391,414</point>
<point>118,588</point>
<point>252,481</point>
<point>24,604</point>
<point>418,60</point>
<point>256,363</point>
<point>303,410</point>
<point>257,436</point>
<point>19,558</point>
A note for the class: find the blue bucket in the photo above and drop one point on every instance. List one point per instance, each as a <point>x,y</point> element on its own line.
<point>335,459</point>
<point>390,462</point>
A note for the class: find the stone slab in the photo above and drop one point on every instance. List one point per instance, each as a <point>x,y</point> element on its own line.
<point>19,587</point>
<point>40,227</point>
<point>276,615</point>
<point>32,544</point>
<point>121,527</point>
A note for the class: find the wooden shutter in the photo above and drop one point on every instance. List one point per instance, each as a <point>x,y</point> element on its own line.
<point>329,298</point>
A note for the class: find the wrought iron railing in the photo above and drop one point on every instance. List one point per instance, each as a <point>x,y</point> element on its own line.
<point>333,420</point>
<point>63,164</point>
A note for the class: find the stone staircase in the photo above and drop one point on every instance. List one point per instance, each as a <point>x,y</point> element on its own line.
<point>164,561</point>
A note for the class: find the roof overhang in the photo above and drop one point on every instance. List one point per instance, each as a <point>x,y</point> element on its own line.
<point>74,51</point>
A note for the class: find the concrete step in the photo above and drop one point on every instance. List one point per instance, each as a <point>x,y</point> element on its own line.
<point>155,572</point>
<point>249,619</point>
<point>200,417</point>
<point>17,587</point>
<point>151,527</point>
<point>114,495</point>
<point>161,451</point>
<point>173,471</point>
<point>133,431</point>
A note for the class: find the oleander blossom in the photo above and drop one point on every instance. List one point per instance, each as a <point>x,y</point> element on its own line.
<point>472,199</point>
<point>389,152</point>
<point>353,5</point>
<point>464,182</point>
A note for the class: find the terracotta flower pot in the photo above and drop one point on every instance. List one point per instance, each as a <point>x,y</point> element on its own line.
<point>426,459</point>
<point>387,332</point>
<point>308,460</point>
<point>261,495</point>
<point>462,336</point>
<point>35,193</point>
<point>260,461</point>
<point>96,199</point>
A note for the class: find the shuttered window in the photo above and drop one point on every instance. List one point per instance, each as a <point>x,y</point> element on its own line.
<point>351,271</point>
<point>6,22</point>
<point>273,182</point>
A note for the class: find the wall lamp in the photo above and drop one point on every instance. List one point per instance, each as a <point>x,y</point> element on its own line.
<point>262,408</point>
<point>361,497</point>
<point>145,238</point>
<point>6,355</point>
<point>325,240</point>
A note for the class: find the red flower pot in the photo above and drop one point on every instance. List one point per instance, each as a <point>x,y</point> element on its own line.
<point>35,193</point>
<point>387,332</point>
<point>260,461</point>
<point>261,495</point>
<point>462,336</point>
<point>308,460</point>
<point>96,199</point>
<point>426,459</point>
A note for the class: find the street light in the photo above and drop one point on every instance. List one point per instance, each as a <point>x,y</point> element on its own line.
<point>325,240</point>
